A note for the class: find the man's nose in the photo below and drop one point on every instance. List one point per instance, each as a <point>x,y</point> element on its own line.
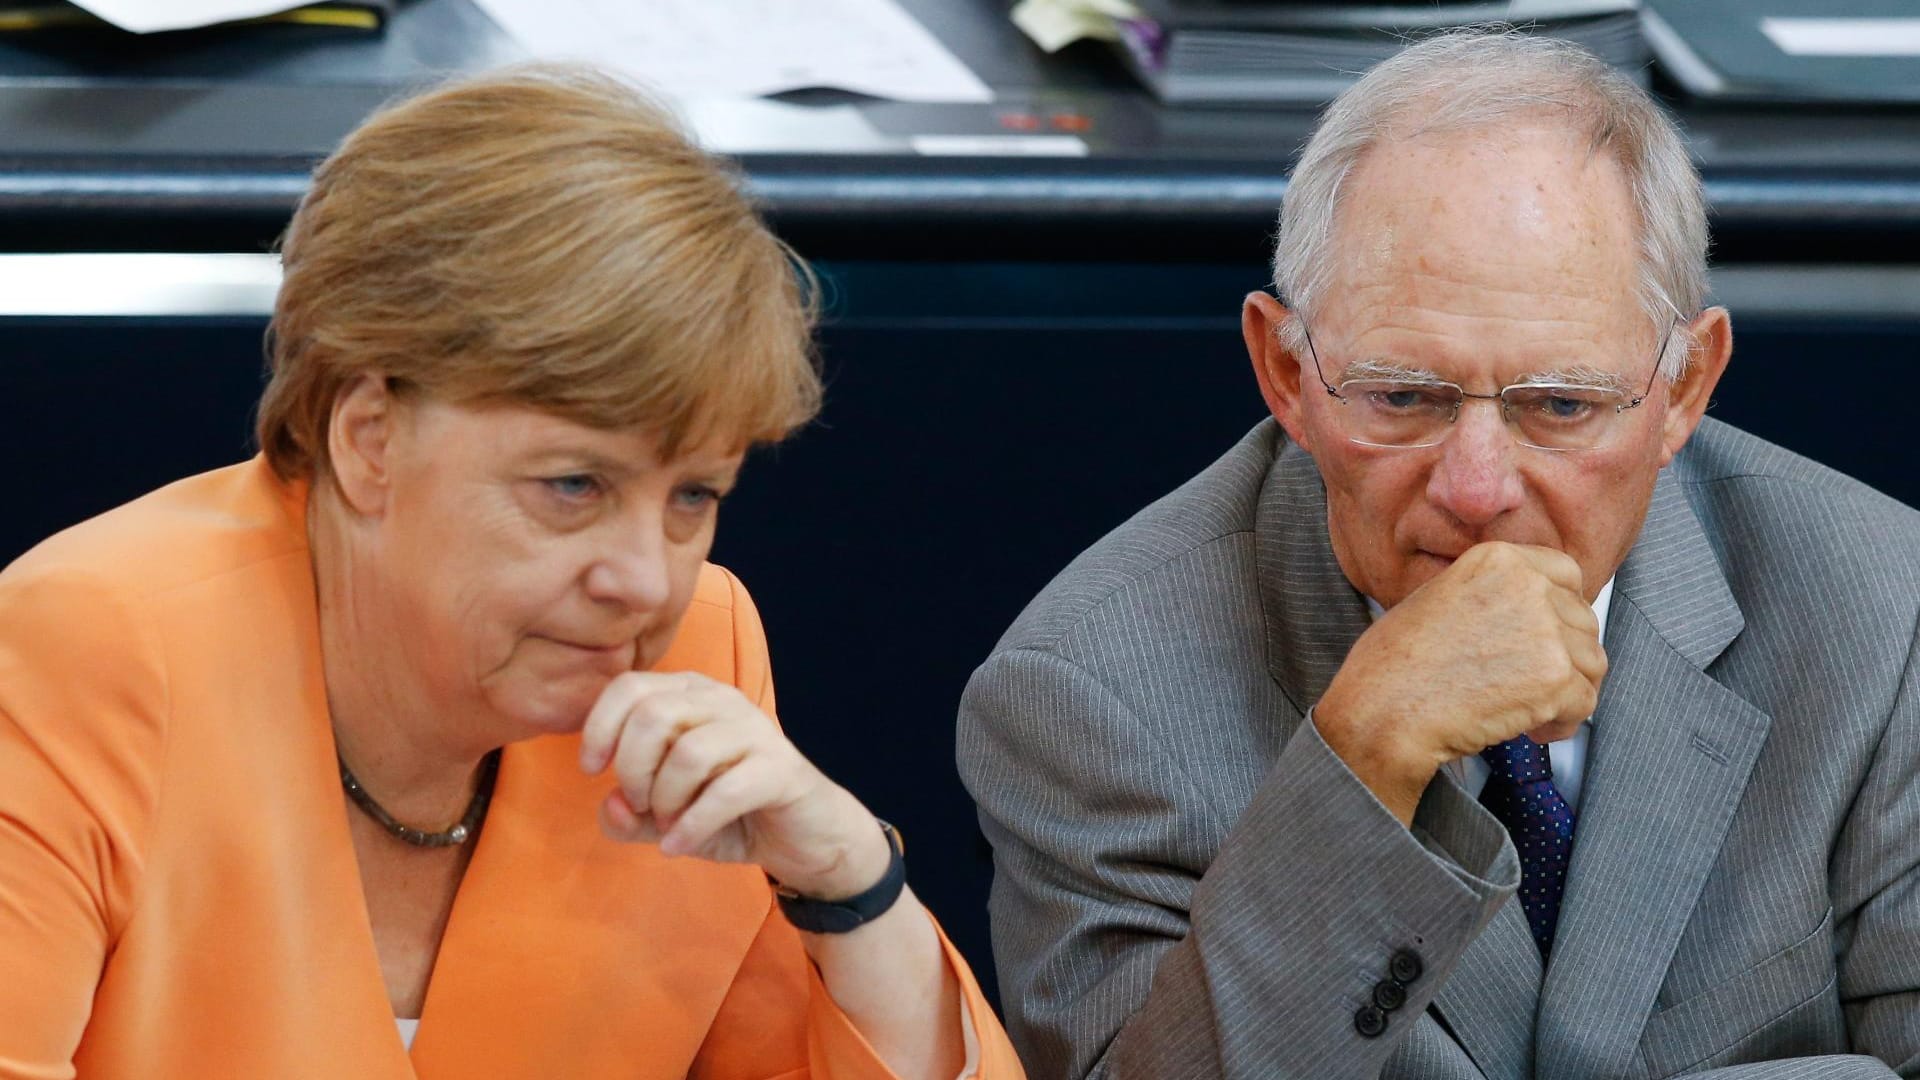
<point>631,570</point>
<point>1476,479</point>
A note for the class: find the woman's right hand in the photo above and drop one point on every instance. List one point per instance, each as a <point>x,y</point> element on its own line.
<point>704,772</point>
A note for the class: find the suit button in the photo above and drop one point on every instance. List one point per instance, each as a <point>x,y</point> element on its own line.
<point>1406,966</point>
<point>1389,995</point>
<point>1369,1021</point>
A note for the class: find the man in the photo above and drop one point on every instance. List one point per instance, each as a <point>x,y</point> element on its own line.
<point>1257,767</point>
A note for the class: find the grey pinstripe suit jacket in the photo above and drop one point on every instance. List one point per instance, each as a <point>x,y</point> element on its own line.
<point>1190,884</point>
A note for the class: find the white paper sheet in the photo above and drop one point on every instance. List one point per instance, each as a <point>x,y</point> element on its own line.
<point>153,16</point>
<point>1844,37</point>
<point>745,48</point>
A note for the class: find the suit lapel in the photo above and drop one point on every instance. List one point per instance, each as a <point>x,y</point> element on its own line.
<point>1314,617</point>
<point>566,953</point>
<point>1671,752</point>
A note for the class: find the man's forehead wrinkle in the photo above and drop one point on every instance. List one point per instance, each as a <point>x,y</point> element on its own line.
<point>1371,311</point>
<point>1432,275</point>
<point>1425,283</point>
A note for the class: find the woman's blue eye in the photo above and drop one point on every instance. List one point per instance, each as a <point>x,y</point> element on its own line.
<point>577,486</point>
<point>698,497</point>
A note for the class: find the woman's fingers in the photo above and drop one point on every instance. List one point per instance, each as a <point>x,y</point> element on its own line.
<point>619,822</point>
<point>702,771</point>
<point>650,729</point>
<point>608,717</point>
<point>748,785</point>
<point>666,737</point>
<point>696,756</point>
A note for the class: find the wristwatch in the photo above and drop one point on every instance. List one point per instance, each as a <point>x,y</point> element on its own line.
<point>841,916</point>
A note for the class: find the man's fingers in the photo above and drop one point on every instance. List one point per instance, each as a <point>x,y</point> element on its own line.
<point>1575,612</point>
<point>1584,650</point>
<point>1556,566</point>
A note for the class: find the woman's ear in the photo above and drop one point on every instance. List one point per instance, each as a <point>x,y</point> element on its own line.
<point>360,443</point>
<point>1274,365</point>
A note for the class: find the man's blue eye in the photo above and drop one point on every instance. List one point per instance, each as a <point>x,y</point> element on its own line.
<point>1566,408</point>
<point>1405,398</point>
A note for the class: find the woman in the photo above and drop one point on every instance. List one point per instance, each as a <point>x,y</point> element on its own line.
<point>430,726</point>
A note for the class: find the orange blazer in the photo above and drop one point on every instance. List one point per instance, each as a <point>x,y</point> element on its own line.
<point>178,892</point>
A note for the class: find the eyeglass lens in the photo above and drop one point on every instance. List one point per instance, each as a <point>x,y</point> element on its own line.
<point>1552,417</point>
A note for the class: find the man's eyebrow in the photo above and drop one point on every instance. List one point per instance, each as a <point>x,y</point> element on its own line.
<point>1582,376</point>
<point>1589,378</point>
<point>1376,368</point>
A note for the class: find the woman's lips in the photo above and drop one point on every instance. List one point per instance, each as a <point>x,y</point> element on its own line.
<point>620,652</point>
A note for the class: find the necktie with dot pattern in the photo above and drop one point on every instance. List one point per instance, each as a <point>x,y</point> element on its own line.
<point>1520,793</point>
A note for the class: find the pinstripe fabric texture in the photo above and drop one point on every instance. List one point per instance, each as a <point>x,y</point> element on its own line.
<point>1190,884</point>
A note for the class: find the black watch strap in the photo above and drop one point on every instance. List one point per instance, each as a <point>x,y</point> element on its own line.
<point>841,916</point>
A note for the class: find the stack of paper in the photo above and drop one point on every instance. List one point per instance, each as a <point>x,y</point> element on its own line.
<point>693,49</point>
<point>1241,52</point>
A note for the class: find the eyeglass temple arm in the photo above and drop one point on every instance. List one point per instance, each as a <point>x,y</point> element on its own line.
<point>1311,352</point>
<point>1659,356</point>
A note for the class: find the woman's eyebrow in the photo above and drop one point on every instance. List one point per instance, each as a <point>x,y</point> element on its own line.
<point>579,459</point>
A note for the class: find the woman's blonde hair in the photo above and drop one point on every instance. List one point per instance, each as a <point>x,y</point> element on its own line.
<point>543,236</point>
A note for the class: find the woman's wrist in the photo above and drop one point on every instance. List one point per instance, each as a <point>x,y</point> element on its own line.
<point>893,980</point>
<point>864,863</point>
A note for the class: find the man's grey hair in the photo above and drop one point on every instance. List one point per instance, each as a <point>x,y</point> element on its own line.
<point>1487,77</point>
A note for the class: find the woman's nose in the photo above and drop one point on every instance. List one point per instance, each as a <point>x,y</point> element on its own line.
<point>1475,478</point>
<point>632,570</point>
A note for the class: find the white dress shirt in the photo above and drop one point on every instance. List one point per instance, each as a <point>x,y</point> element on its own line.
<point>1569,755</point>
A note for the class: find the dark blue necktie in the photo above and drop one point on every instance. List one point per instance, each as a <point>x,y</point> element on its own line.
<point>1521,794</point>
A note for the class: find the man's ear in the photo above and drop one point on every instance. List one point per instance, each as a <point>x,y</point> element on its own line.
<point>360,442</point>
<point>1711,338</point>
<point>1274,365</point>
